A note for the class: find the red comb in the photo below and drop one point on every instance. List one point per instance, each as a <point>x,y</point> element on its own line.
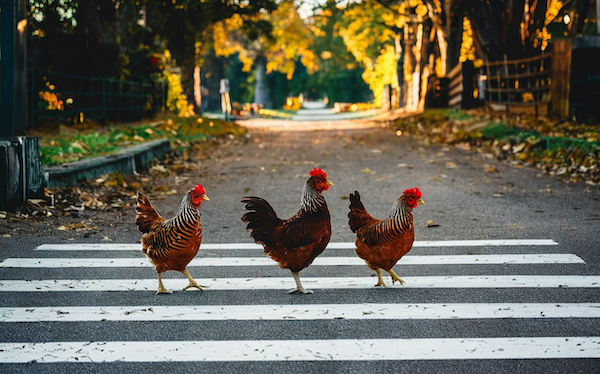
<point>317,171</point>
<point>413,191</point>
<point>200,189</point>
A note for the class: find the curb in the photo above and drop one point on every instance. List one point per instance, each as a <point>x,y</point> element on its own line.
<point>127,161</point>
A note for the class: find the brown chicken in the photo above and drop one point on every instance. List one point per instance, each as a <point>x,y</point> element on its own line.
<point>382,243</point>
<point>294,243</point>
<point>172,244</point>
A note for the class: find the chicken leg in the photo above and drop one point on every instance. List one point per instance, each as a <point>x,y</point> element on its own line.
<point>161,288</point>
<point>379,279</point>
<point>192,281</point>
<point>299,288</point>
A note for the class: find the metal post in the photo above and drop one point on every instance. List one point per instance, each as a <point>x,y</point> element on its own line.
<point>13,92</point>
<point>32,100</point>
<point>103,99</point>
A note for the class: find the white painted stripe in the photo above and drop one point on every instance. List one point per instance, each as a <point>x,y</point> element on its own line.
<point>515,259</point>
<point>344,245</point>
<point>303,350</point>
<point>486,281</point>
<point>297,312</point>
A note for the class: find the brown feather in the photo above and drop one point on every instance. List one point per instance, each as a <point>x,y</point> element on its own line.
<point>169,244</point>
<point>381,243</point>
<point>293,243</point>
<point>146,216</point>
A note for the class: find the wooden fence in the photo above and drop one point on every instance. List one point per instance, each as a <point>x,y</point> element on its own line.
<point>518,85</point>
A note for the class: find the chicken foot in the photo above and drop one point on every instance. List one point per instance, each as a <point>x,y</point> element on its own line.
<point>192,281</point>
<point>395,277</point>
<point>299,288</point>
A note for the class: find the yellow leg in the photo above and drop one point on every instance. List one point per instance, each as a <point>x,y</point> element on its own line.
<point>192,281</point>
<point>299,288</point>
<point>380,280</point>
<point>395,277</point>
<point>161,288</point>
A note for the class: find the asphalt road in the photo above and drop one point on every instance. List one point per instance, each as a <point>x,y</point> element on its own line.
<point>471,316</point>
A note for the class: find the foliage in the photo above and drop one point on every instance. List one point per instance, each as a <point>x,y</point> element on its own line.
<point>372,44</point>
<point>339,75</point>
<point>69,145</point>
<point>556,147</point>
<point>176,100</point>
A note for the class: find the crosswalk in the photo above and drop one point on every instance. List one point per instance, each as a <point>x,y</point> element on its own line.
<point>98,283</point>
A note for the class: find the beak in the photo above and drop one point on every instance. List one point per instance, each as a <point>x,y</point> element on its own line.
<point>204,197</point>
<point>420,201</point>
<point>330,183</point>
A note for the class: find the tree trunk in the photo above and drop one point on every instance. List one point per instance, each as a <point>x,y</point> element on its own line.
<point>262,95</point>
<point>400,51</point>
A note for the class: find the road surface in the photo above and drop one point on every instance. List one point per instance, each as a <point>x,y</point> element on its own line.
<point>503,277</point>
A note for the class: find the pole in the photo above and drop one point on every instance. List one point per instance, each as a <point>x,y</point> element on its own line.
<point>32,100</point>
<point>13,91</point>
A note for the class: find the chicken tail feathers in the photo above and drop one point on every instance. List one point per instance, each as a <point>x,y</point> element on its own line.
<point>358,216</point>
<point>146,216</point>
<point>261,218</point>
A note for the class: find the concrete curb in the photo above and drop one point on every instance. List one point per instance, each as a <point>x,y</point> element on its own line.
<point>126,161</point>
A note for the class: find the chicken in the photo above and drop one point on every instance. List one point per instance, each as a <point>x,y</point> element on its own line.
<point>382,243</point>
<point>294,243</point>
<point>172,244</point>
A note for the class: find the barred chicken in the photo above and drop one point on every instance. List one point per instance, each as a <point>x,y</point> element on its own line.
<point>172,244</point>
<point>381,243</point>
<point>294,243</point>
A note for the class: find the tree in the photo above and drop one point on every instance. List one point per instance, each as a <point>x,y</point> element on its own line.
<point>280,39</point>
<point>339,75</point>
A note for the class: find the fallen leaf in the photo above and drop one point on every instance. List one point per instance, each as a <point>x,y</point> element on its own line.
<point>518,148</point>
<point>430,223</point>
<point>80,145</point>
<point>367,171</point>
<point>450,165</point>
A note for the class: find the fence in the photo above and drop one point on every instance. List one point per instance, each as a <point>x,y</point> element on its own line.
<point>62,97</point>
<point>518,83</point>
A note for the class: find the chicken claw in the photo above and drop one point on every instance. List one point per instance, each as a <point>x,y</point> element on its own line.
<point>299,288</point>
<point>161,287</point>
<point>192,282</point>
<point>395,277</point>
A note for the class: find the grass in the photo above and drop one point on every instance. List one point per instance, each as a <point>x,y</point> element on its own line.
<point>277,113</point>
<point>557,146</point>
<point>60,144</point>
